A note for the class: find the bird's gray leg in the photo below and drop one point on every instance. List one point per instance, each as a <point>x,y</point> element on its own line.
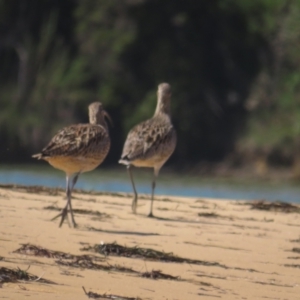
<point>135,198</point>
<point>155,174</point>
<point>64,212</point>
<point>69,198</point>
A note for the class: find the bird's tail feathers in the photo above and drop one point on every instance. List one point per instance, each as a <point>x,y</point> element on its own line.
<point>38,156</point>
<point>124,161</point>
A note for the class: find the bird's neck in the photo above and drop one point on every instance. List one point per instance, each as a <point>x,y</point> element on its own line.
<point>163,107</point>
<point>98,120</point>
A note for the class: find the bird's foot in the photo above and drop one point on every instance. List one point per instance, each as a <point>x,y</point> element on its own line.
<point>73,221</point>
<point>150,215</point>
<point>63,215</point>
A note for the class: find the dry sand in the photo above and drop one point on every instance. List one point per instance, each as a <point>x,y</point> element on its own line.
<point>245,253</point>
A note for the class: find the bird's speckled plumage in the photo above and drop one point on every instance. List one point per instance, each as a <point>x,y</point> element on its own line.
<point>79,148</point>
<point>80,139</point>
<point>151,143</point>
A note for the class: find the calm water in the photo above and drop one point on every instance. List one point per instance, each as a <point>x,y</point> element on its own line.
<point>180,185</point>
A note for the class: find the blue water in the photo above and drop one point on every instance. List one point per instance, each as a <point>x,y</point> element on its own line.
<point>178,185</point>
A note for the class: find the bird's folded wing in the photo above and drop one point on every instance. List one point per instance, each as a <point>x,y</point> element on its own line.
<point>145,137</point>
<point>74,139</point>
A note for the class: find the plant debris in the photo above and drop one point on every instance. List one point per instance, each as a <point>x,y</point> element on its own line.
<point>86,262</point>
<point>107,296</point>
<point>292,265</point>
<point>146,253</point>
<point>29,249</point>
<point>295,241</point>
<point>81,211</point>
<point>15,275</point>
<point>36,189</point>
<point>157,274</point>
<point>297,250</point>
<point>276,206</point>
<point>44,190</point>
<point>208,215</point>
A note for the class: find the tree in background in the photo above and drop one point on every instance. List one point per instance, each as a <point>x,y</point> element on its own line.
<point>274,102</point>
<point>229,63</point>
<point>201,48</point>
<point>41,82</point>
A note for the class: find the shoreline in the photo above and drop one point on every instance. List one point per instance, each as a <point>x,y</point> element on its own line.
<point>116,180</point>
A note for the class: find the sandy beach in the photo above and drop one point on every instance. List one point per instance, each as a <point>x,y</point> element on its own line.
<point>215,249</point>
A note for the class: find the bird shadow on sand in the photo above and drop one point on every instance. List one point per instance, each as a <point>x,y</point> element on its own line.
<point>123,232</point>
<point>177,220</point>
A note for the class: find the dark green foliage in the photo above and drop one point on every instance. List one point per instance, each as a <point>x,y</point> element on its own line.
<point>230,63</point>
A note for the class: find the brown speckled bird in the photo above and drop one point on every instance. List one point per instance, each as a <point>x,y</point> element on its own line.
<point>77,149</point>
<point>151,143</point>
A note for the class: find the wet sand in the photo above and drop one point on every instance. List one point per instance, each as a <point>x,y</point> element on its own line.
<point>241,252</point>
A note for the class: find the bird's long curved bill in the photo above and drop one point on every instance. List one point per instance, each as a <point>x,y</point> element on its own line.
<point>106,114</point>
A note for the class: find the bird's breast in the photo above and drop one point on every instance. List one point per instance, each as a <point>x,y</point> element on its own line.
<point>75,164</point>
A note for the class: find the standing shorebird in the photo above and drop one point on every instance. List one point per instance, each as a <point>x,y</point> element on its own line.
<point>77,149</point>
<point>151,143</point>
